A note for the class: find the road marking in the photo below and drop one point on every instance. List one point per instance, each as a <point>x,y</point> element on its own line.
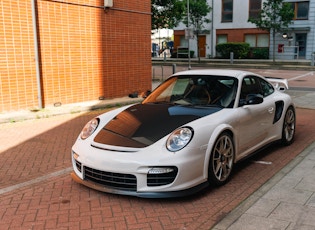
<point>263,162</point>
<point>301,76</point>
<point>34,181</point>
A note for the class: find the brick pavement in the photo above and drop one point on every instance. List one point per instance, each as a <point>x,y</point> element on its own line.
<point>36,191</point>
<point>56,202</point>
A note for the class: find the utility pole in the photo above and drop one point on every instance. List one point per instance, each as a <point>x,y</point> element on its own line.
<point>189,66</point>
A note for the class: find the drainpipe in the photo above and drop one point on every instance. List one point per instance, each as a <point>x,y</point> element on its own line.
<point>38,76</point>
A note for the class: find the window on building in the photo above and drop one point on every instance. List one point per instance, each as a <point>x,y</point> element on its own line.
<point>300,10</point>
<point>254,8</point>
<point>257,40</point>
<point>227,10</point>
<point>251,40</point>
<point>263,40</point>
<point>221,38</point>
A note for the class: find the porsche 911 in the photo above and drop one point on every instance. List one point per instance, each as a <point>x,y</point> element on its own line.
<point>185,135</point>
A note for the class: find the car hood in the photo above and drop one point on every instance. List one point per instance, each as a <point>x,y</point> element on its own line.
<point>143,124</point>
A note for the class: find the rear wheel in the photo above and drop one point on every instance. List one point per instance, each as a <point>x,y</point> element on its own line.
<point>288,129</point>
<point>221,160</point>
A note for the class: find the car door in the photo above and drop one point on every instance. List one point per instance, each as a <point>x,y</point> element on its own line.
<point>254,120</point>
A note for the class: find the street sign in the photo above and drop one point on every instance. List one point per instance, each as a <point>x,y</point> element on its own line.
<point>189,33</point>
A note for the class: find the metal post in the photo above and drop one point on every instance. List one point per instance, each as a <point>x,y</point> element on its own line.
<point>231,57</point>
<point>313,59</point>
<point>174,68</point>
<point>188,18</point>
<point>38,77</point>
<point>153,73</point>
<point>212,34</point>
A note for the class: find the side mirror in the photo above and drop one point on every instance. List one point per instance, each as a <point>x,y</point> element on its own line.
<point>254,99</point>
<point>146,94</point>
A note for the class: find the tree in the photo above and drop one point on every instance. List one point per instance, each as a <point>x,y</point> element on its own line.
<point>274,17</point>
<point>198,11</point>
<point>166,13</point>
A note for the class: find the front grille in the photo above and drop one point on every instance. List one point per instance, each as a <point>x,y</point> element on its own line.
<point>119,181</point>
<point>161,179</point>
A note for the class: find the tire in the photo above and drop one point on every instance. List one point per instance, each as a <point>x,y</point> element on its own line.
<point>221,160</point>
<point>288,128</point>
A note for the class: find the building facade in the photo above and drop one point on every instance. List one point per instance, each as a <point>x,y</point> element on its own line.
<point>69,51</point>
<point>229,23</point>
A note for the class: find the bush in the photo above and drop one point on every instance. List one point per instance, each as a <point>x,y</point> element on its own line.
<point>260,53</point>
<point>240,49</point>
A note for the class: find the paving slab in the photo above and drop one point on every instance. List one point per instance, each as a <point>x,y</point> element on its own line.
<point>286,201</point>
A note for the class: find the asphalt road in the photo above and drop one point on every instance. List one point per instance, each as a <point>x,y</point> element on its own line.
<point>36,191</point>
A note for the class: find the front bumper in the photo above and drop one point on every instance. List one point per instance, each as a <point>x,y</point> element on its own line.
<point>170,194</point>
<point>139,173</point>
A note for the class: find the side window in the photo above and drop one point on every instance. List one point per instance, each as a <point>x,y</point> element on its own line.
<point>250,85</point>
<point>266,87</point>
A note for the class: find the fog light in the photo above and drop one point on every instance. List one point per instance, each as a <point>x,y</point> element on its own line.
<point>160,170</point>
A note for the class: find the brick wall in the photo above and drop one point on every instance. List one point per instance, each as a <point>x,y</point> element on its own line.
<point>85,51</point>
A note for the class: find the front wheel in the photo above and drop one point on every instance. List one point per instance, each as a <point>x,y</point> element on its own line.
<point>221,160</point>
<point>288,129</point>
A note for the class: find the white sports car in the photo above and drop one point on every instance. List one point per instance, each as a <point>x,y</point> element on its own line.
<point>188,133</point>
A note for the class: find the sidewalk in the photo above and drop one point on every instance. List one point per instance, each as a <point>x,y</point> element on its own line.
<point>50,111</point>
<point>286,201</point>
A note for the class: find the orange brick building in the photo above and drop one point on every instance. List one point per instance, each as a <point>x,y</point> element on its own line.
<point>84,51</point>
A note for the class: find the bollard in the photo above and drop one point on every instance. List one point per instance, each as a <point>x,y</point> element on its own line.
<point>231,57</point>
<point>174,68</point>
<point>313,57</point>
<point>164,56</point>
<point>153,73</point>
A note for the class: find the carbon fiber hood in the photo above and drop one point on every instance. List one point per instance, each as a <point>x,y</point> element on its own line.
<point>143,124</point>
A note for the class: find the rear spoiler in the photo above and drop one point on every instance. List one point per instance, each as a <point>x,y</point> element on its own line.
<point>278,83</point>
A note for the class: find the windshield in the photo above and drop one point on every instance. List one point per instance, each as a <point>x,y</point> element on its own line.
<point>196,90</point>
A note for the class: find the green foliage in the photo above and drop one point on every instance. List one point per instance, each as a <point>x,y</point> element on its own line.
<point>275,15</point>
<point>166,13</point>
<point>240,49</point>
<point>198,11</point>
<point>260,53</point>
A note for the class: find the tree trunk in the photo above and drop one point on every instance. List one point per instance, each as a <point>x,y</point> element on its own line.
<point>198,54</point>
<point>274,46</point>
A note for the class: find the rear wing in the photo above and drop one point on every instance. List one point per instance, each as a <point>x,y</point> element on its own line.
<point>279,83</point>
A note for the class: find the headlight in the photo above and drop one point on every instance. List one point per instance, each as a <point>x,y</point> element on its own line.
<point>89,128</point>
<point>179,139</point>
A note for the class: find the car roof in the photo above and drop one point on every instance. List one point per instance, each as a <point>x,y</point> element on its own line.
<point>216,72</point>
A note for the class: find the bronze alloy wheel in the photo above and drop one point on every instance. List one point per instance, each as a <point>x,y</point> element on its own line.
<point>221,160</point>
